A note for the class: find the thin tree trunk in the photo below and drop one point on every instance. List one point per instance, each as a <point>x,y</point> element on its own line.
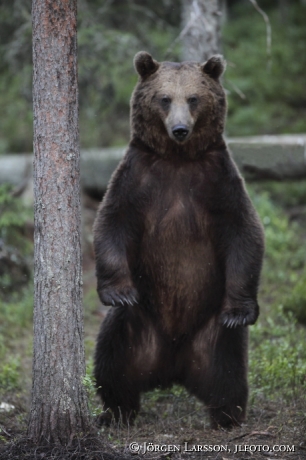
<point>59,409</point>
<point>283,10</point>
<point>201,29</point>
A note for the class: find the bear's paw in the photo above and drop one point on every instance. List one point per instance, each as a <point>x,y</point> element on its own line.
<point>119,297</point>
<point>242,314</point>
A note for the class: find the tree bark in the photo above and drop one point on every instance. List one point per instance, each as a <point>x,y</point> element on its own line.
<point>59,409</point>
<point>201,32</point>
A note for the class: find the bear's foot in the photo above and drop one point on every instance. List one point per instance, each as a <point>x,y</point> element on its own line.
<point>224,417</point>
<point>107,418</point>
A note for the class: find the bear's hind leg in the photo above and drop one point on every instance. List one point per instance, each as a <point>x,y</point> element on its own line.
<point>227,378</point>
<point>217,375</point>
<point>120,396</point>
<point>121,409</point>
<point>125,355</point>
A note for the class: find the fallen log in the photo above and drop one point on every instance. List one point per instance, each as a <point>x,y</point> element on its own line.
<point>258,158</point>
<point>270,157</point>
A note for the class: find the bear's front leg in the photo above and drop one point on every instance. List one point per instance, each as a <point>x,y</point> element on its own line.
<point>117,232</point>
<point>114,279</point>
<point>244,242</point>
<point>243,265</point>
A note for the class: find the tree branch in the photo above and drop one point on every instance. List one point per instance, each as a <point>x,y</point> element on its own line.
<point>268,29</point>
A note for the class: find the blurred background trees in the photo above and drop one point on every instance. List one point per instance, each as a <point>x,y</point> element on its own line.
<point>201,29</point>
<point>263,99</point>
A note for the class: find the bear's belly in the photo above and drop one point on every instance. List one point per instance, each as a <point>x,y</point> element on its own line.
<point>185,280</point>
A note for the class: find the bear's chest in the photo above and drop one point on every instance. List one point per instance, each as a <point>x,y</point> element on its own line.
<point>176,217</point>
<point>178,236</point>
<point>175,198</point>
<point>178,204</point>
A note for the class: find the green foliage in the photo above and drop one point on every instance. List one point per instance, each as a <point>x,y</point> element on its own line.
<point>295,302</point>
<point>16,314</point>
<point>10,375</point>
<point>284,276</point>
<point>16,120</point>
<point>15,76</point>
<point>285,245</point>
<point>277,358</point>
<point>15,248</point>
<point>273,96</point>
<point>278,347</point>
<point>16,298</point>
<point>90,386</point>
<point>15,322</point>
<point>286,194</point>
<point>175,392</point>
<point>13,216</point>
<point>108,39</point>
<point>110,33</point>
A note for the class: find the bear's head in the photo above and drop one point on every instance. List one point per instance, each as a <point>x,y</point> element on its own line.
<point>178,108</point>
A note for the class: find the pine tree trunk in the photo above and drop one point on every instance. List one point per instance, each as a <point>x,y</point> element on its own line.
<point>59,409</point>
<point>201,29</point>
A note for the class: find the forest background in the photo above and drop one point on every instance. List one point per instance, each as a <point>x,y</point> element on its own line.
<point>266,95</point>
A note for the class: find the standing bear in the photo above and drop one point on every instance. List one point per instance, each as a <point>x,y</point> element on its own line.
<point>178,249</point>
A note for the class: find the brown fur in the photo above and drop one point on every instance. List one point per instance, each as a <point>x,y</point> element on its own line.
<point>178,250</point>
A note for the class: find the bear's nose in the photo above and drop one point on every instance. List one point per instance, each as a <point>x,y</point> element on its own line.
<point>180,132</point>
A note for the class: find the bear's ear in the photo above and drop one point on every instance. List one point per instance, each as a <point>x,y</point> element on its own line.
<point>144,64</point>
<point>215,66</point>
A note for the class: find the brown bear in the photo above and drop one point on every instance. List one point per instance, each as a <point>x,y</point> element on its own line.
<point>178,249</point>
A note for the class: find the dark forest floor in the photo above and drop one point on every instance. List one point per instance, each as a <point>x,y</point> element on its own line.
<point>174,427</point>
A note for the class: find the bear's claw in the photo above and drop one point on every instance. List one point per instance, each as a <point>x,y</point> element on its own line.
<point>239,316</point>
<point>127,296</point>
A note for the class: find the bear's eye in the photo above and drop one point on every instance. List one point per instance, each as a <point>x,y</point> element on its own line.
<point>165,101</point>
<point>192,100</point>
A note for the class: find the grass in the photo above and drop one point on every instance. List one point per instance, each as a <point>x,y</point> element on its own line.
<point>277,341</point>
